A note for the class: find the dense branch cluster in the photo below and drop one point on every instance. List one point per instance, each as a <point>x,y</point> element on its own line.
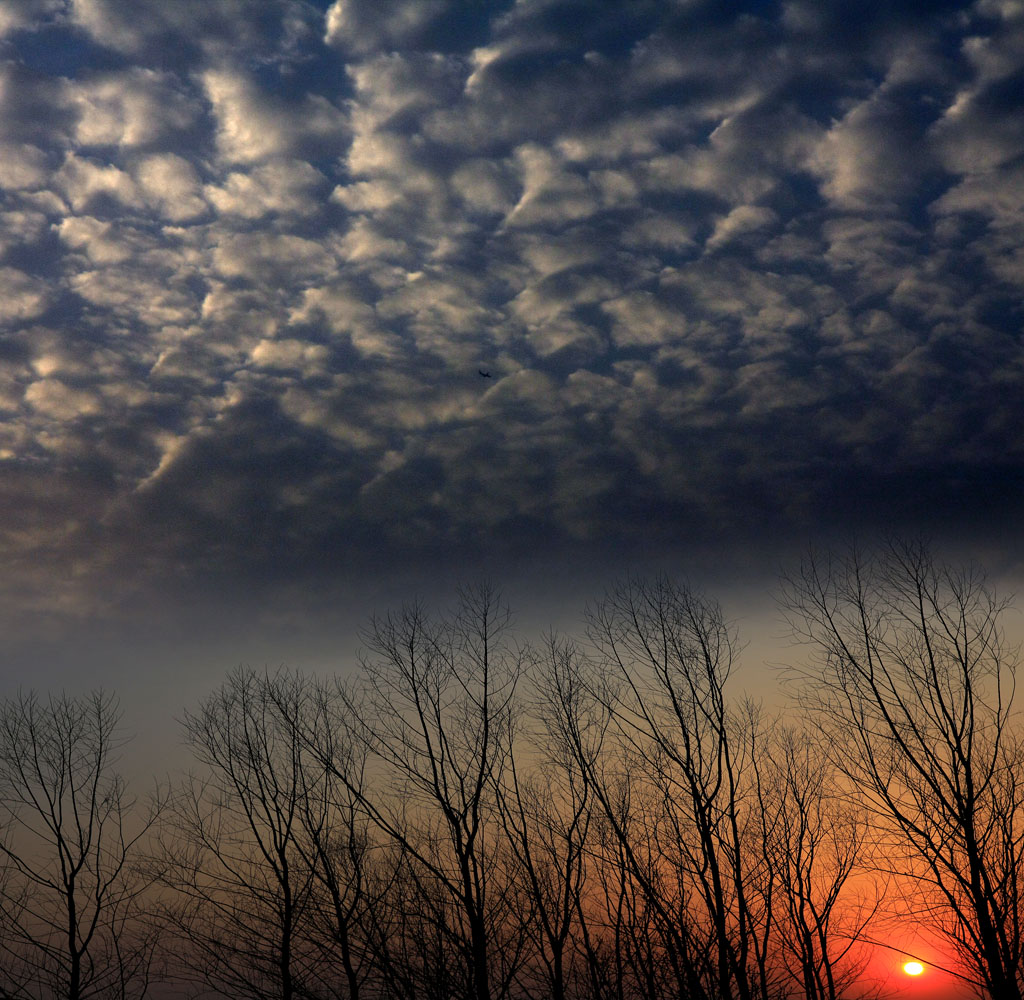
<point>476,818</point>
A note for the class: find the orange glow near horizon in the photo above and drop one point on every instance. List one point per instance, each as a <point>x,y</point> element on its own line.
<point>913,968</point>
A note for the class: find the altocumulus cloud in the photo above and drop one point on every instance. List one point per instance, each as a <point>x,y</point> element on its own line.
<point>733,268</point>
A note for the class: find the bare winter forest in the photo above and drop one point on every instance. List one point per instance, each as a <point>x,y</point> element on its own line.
<point>478,817</point>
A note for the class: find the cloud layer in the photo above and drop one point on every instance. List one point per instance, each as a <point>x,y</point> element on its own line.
<point>733,270</point>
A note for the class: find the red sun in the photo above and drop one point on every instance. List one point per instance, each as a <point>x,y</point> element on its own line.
<point>913,968</point>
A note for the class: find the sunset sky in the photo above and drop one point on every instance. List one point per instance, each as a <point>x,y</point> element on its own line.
<point>745,277</point>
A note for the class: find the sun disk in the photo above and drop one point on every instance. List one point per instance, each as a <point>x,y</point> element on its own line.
<point>913,968</point>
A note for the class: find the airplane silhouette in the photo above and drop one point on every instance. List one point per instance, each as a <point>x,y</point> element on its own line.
<point>483,373</point>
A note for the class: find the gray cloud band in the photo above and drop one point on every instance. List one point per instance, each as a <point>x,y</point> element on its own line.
<point>729,272</point>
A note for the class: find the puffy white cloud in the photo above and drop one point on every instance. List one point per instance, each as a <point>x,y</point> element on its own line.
<point>661,232</point>
<point>359,26</point>
<point>981,127</point>
<point>740,221</point>
<point>366,243</point>
<point>135,294</point>
<point>276,259</point>
<point>485,186</point>
<point>551,194</point>
<point>542,302</point>
<point>20,228</point>
<point>55,400</point>
<point>100,241</point>
<point>18,14</point>
<point>83,181</point>
<point>132,108</point>
<point>22,166</point>
<point>377,153</point>
<point>325,411</point>
<point>170,184</point>
<point>548,255</point>
<point>32,108</point>
<point>288,354</point>
<point>250,127</point>
<point>998,195</point>
<point>253,125</point>
<point>288,187</point>
<point>219,30</point>
<point>871,159</point>
<point>394,85</point>
<point>641,318</point>
<point>369,196</point>
<point>345,312</point>
<point>279,235</point>
<point>22,296</point>
<point>107,23</point>
<point>443,313</point>
<point>872,252</point>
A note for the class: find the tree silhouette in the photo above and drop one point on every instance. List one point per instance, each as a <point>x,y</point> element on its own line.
<point>436,720</point>
<point>231,844</point>
<point>913,683</point>
<point>471,818</point>
<point>546,809</point>
<point>72,918</point>
<point>817,839</point>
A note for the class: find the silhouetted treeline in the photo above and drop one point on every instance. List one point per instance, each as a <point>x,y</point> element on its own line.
<point>601,818</point>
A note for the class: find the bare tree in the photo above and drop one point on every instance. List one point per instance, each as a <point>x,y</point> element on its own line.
<point>816,840</point>
<point>913,681</point>
<point>73,922</point>
<point>336,842</point>
<point>577,725</point>
<point>436,720</point>
<point>231,850</point>
<point>545,805</point>
<point>663,657</point>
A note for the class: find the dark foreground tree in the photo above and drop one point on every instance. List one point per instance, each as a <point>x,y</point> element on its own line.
<point>913,683</point>
<point>344,920</point>
<point>546,811</point>
<point>674,774</point>
<point>435,720</point>
<point>817,840</point>
<point>72,917</point>
<point>241,889</point>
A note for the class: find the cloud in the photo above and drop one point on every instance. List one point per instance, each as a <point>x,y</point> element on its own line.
<point>250,127</point>
<point>740,221</point>
<point>133,108</point>
<point>22,166</point>
<point>22,296</point>
<point>135,295</point>
<point>361,27</point>
<point>191,29</point>
<point>732,271</point>
<point>285,187</point>
<point>16,15</point>
<point>551,195</point>
<point>980,128</point>
<point>96,238</point>
<point>271,259</point>
<point>290,355</point>
<point>171,185</point>
<point>85,182</point>
<point>55,400</point>
<point>32,107</point>
<point>253,125</point>
<point>872,158</point>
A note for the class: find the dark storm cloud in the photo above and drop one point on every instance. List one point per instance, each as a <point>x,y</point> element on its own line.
<point>733,271</point>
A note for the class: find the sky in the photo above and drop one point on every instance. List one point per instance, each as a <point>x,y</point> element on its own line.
<point>743,278</point>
